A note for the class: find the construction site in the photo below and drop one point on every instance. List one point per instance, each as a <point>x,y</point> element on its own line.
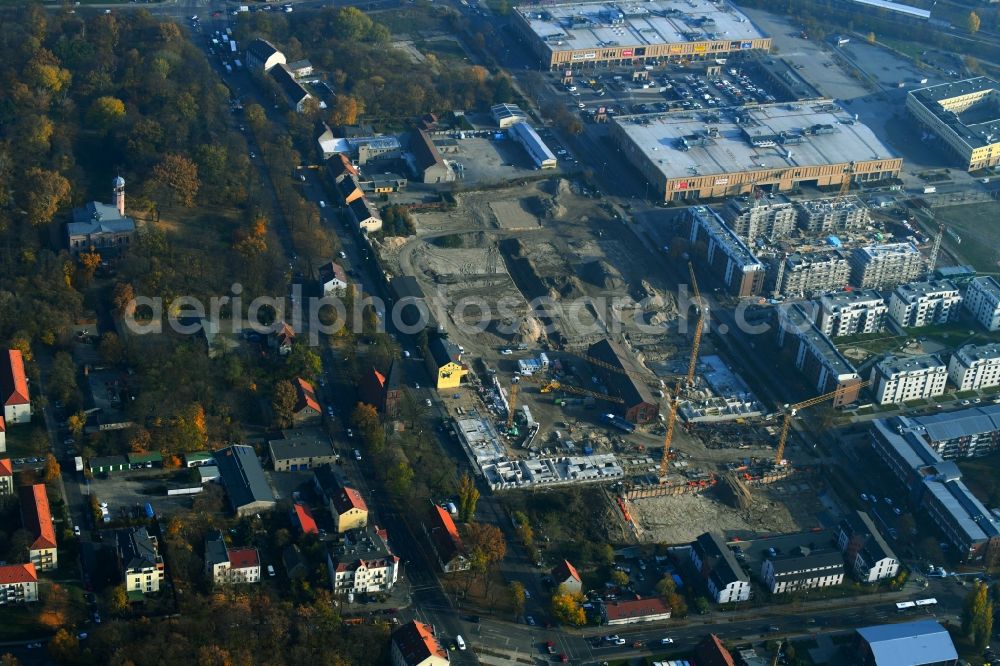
<point>585,371</point>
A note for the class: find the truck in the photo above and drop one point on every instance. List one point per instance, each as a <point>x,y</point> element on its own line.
<point>246,8</point>
<point>232,45</point>
<point>105,514</point>
<point>78,463</point>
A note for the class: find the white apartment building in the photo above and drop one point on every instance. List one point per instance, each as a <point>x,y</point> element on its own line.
<point>975,367</point>
<point>801,570</point>
<point>919,304</point>
<point>896,380</point>
<point>866,552</point>
<point>142,564</point>
<point>726,580</point>
<point>851,313</point>
<point>363,563</point>
<point>982,300</point>
<point>18,584</point>
<point>227,566</point>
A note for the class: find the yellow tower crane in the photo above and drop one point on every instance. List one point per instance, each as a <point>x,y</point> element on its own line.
<point>792,410</point>
<point>845,184</point>
<point>668,438</point>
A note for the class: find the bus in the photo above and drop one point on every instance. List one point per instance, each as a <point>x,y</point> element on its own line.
<point>926,602</point>
<point>905,605</point>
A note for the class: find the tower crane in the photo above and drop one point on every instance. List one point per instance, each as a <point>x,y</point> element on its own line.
<point>791,410</point>
<point>692,363</point>
<point>936,249</point>
<point>553,385</point>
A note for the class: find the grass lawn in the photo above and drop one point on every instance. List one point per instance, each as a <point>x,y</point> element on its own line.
<point>19,438</point>
<point>413,20</point>
<point>20,622</point>
<point>975,223</point>
<point>980,474</point>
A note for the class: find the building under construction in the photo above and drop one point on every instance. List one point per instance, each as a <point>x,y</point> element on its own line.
<point>638,404</point>
<point>823,216</point>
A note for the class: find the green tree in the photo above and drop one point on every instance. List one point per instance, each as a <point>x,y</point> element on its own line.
<point>701,605</point>
<point>106,112</point>
<point>871,38</point>
<point>666,586</point>
<point>468,498</point>
<point>399,478</point>
<point>283,401</point>
<point>619,578</point>
<point>352,25</point>
<point>62,378</point>
<point>974,22</point>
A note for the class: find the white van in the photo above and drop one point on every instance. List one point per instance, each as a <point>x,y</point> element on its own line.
<point>460,642</point>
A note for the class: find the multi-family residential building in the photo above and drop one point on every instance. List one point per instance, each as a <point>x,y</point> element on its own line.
<point>14,388</point>
<point>867,553</point>
<point>301,449</point>
<point>935,485</point>
<point>445,541</point>
<point>898,379</point>
<point>965,433</point>
<point>982,300</point>
<point>917,304</point>
<point>37,518</point>
<point>346,504</point>
<point>851,312</point>
<point>884,266</point>
<point>140,560</point>
<point>414,644</point>
<point>975,366</point>
<point>6,476</point>
<point>727,256</point>
<point>802,569</point>
<point>362,562</point>
<point>18,583</point>
<point>228,566</point>
<point>816,356</point>
<point>752,219</point>
<point>799,275</point>
<point>823,216</point>
<point>726,580</point>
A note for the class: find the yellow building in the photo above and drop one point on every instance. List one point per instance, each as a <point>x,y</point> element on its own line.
<point>964,115</point>
<point>445,363</point>
<point>349,510</point>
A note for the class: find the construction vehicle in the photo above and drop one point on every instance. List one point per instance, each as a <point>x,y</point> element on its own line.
<point>554,385</point>
<point>792,410</point>
<point>668,438</point>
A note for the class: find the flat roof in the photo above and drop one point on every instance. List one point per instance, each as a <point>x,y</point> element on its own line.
<point>734,246</point>
<point>533,144</point>
<point>592,25</point>
<point>891,365</point>
<point>853,297</point>
<point>977,128</point>
<point>804,328</point>
<point>921,642</point>
<point>988,284</point>
<point>886,250</point>
<point>896,7</point>
<point>772,137</point>
<point>824,206</point>
<point>911,291</point>
<point>970,354</point>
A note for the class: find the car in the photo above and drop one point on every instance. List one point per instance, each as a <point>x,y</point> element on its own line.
<point>322,204</point>
<point>619,641</point>
<point>563,658</point>
<point>68,441</point>
<point>666,641</point>
<point>774,627</point>
<point>350,434</point>
<point>76,530</point>
<point>253,155</point>
<point>966,403</point>
<point>342,254</point>
<point>529,620</point>
<point>527,594</point>
<point>461,642</point>
<point>97,617</point>
<point>416,385</point>
<point>507,352</point>
<point>427,402</point>
<point>896,510</point>
<point>357,455</point>
<point>270,570</point>
<point>82,636</point>
<point>550,647</point>
<point>611,639</point>
<point>864,497</point>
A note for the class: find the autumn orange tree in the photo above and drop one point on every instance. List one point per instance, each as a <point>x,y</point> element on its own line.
<point>487,548</point>
<point>52,469</point>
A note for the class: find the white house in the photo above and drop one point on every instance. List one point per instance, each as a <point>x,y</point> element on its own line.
<point>332,278</point>
<point>898,379</point>
<point>723,575</point>
<point>866,552</point>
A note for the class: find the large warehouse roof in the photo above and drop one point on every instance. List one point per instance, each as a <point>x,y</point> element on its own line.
<point>775,137</point>
<point>585,25</point>
<point>897,7</point>
<point>909,643</point>
<point>979,125</point>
